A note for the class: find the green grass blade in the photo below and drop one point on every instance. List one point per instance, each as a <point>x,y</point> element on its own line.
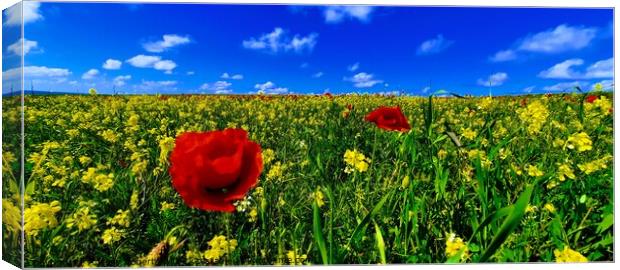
<point>318,232</point>
<point>510,223</point>
<point>492,218</point>
<point>380,243</point>
<point>359,230</point>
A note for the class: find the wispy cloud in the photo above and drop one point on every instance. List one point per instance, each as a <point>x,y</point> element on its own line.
<point>219,87</point>
<point>30,13</point>
<point>121,80</point>
<point>270,88</point>
<point>27,45</point>
<point>495,79</point>
<point>227,76</point>
<point>112,64</point>
<point>167,42</point>
<point>565,70</point>
<point>35,72</point>
<point>90,74</point>
<point>363,80</point>
<point>563,38</point>
<point>434,45</point>
<point>354,67</point>
<point>279,41</point>
<point>337,14</point>
<point>317,75</point>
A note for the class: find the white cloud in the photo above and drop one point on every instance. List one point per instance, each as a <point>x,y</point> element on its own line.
<point>363,80</point>
<point>219,87</point>
<point>495,79</point>
<point>165,65</point>
<point>121,80</point>
<point>166,43</point>
<point>434,45</point>
<point>336,14</point>
<point>529,89</point>
<point>227,76</point>
<point>426,89</point>
<point>601,69</point>
<point>148,61</point>
<point>354,67</point>
<point>112,64</point>
<point>505,55</point>
<point>318,75</point>
<point>566,86</point>
<point>31,13</point>
<point>191,72</point>
<point>143,61</point>
<point>90,74</point>
<point>304,65</point>
<point>560,39</point>
<point>564,70</point>
<point>28,45</point>
<point>270,88</point>
<point>35,72</point>
<point>279,41</point>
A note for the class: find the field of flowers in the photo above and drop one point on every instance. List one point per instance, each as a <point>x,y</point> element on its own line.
<point>278,180</point>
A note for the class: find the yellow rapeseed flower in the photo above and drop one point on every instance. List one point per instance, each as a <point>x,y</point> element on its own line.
<point>355,161</point>
<point>296,258</point>
<point>549,207</point>
<point>11,216</point>
<point>580,140</point>
<point>564,171</point>
<point>568,255</point>
<point>112,235</point>
<point>40,216</point>
<point>534,116</point>
<point>122,218</point>
<point>83,219</point>
<point>533,171</point>
<point>456,245</point>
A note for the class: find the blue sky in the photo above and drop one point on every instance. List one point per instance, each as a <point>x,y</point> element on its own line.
<point>239,49</point>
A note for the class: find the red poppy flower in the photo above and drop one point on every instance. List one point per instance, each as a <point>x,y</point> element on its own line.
<point>389,118</point>
<point>591,98</point>
<point>211,170</point>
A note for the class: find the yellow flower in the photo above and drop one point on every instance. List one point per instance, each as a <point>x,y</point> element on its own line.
<point>112,235</point>
<point>165,145</point>
<point>133,201</point>
<point>276,171</point>
<point>534,115</point>
<point>88,264</point>
<point>549,207</point>
<point>253,215</point>
<point>193,256</point>
<point>581,141</point>
<point>455,245</point>
<point>268,156</point>
<point>565,171</point>
<point>405,182</point>
<point>85,160</point>
<point>533,171</point>
<point>121,218</point>
<point>441,154</point>
<point>100,181</point>
<point>568,255</point>
<point>11,216</point>
<point>166,206</point>
<point>318,197</point>
<point>40,216</point>
<point>355,161</point>
<point>109,135</point>
<point>295,258</point>
<point>595,165</point>
<point>531,208</point>
<point>219,247</point>
<point>82,219</point>
<point>468,133</point>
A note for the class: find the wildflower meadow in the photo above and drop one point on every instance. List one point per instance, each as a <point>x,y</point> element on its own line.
<point>197,180</point>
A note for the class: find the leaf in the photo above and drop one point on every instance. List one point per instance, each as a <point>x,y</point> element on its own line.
<point>492,218</point>
<point>30,188</point>
<point>607,222</point>
<point>454,139</point>
<point>380,243</point>
<point>318,232</point>
<point>456,258</point>
<point>357,233</point>
<point>510,223</point>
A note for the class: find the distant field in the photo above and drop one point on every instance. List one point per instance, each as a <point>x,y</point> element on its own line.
<point>507,179</point>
